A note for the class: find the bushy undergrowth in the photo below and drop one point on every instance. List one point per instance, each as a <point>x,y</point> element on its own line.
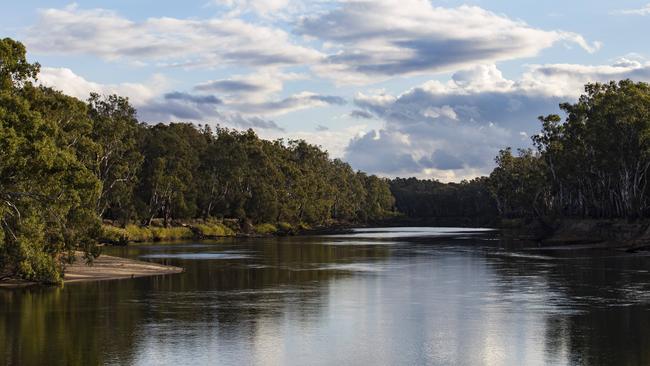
<point>265,229</point>
<point>134,233</point>
<point>213,229</point>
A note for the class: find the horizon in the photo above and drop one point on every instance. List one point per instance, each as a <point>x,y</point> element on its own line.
<point>413,88</point>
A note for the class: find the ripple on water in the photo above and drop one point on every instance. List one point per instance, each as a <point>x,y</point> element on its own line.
<point>197,256</point>
<point>359,242</point>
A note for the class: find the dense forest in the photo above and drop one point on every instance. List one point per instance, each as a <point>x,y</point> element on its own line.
<point>433,202</point>
<point>67,164</point>
<point>592,165</point>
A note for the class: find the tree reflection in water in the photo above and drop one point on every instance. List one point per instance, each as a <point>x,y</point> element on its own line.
<point>348,300</point>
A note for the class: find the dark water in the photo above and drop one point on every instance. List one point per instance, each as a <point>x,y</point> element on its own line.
<point>379,297</point>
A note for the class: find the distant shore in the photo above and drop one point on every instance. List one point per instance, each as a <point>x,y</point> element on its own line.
<point>104,268</point>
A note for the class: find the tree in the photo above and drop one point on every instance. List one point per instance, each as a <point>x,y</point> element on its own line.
<point>46,188</point>
<point>595,163</point>
<point>116,160</point>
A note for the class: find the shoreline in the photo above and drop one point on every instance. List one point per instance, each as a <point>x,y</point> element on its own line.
<point>104,268</point>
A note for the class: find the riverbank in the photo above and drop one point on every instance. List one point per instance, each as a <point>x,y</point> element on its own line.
<point>630,235</point>
<point>105,267</point>
<point>212,229</point>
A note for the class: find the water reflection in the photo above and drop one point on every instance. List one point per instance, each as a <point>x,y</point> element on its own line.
<point>440,297</point>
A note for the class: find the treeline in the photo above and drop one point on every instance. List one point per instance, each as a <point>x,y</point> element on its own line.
<point>66,164</point>
<point>467,202</point>
<point>179,172</point>
<point>594,164</point>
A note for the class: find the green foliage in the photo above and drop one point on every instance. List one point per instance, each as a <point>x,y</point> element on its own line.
<point>594,164</point>
<point>191,172</point>
<point>117,159</point>
<point>14,67</point>
<point>518,183</point>
<point>47,189</point>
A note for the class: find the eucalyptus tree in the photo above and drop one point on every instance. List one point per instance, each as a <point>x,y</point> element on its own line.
<point>47,191</point>
<point>117,159</point>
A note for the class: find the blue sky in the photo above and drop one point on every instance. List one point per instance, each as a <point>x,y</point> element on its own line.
<point>398,88</point>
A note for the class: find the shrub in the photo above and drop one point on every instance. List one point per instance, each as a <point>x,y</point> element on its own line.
<point>285,226</point>
<point>112,234</point>
<point>265,229</point>
<point>139,233</point>
<point>214,229</point>
<point>171,233</point>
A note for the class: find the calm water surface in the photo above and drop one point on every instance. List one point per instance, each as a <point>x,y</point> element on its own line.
<point>399,296</point>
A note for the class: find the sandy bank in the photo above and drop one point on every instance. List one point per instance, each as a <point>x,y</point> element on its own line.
<point>105,267</point>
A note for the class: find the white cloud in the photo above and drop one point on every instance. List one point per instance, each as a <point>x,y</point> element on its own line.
<point>264,8</point>
<point>450,130</point>
<point>75,85</point>
<point>568,80</point>
<point>372,39</point>
<point>168,41</point>
<point>644,10</point>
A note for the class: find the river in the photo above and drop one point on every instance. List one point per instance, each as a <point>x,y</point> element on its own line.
<point>398,296</point>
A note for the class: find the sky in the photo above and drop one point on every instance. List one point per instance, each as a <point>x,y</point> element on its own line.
<point>431,89</point>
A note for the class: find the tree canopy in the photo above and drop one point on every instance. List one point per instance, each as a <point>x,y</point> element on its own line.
<point>593,164</point>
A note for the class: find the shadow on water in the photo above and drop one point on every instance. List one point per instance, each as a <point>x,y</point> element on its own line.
<point>372,297</point>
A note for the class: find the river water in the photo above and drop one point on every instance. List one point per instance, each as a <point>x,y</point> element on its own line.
<point>399,296</point>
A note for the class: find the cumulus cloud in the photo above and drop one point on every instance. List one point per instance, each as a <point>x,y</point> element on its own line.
<point>452,130</point>
<point>333,141</point>
<point>382,38</point>
<point>261,7</point>
<point>168,41</point>
<point>266,9</point>
<point>567,80</point>
<point>77,86</point>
